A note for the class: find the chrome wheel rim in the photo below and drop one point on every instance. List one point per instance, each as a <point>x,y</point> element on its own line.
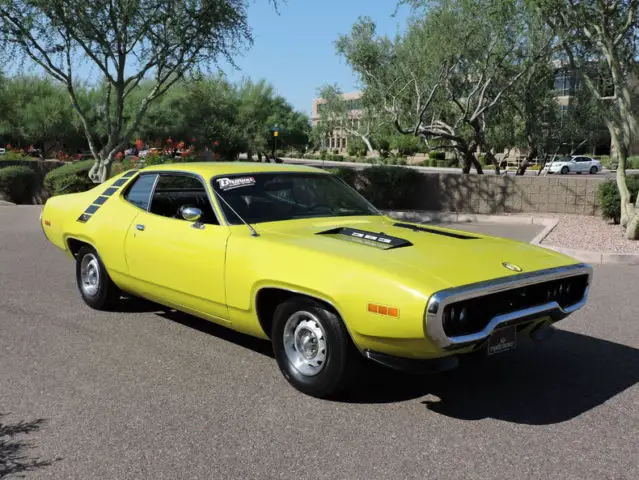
<point>305,343</point>
<point>90,275</point>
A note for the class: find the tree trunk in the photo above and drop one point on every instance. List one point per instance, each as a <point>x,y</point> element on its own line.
<point>476,164</point>
<point>490,156</point>
<point>101,170</point>
<point>621,154</point>
<point>368,144</point>
<point>521,170</point>
<point>467,160</point>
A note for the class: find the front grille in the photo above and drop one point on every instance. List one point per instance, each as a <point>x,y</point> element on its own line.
<point>471,316</point>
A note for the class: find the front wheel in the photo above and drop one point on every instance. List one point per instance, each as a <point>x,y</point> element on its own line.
<point>96,287</point>
<point>313,348</point>
<point>565,170</point>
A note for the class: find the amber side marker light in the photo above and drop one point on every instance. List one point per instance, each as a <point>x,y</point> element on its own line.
<point>383,310</point>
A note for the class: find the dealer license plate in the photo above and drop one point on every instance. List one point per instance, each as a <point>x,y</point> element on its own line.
<point>502,340</point>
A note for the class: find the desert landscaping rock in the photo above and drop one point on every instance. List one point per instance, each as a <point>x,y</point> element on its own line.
<point>582,232</point>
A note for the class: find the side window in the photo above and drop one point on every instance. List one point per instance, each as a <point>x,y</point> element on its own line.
<point>174,191</point>
<point>139,193</point>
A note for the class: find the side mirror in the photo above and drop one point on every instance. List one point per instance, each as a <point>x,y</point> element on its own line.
<point>190,214</point>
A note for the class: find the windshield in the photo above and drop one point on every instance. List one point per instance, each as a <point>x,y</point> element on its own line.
<point>275,196</point>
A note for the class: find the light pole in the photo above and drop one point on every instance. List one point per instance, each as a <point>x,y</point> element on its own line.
<point>276,133</point>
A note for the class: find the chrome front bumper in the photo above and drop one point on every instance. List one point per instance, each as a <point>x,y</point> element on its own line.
<point>437,303</point>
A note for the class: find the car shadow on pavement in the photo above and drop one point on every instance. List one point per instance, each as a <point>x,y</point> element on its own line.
<point>14,458</point>
<point>256,344</point>
<point>537,384</point>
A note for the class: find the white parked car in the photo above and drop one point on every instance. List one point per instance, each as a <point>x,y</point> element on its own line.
<point>575,164</point>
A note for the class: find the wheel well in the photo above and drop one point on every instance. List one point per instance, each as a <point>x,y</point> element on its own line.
<point>268,299</point>
<point>75,245</point>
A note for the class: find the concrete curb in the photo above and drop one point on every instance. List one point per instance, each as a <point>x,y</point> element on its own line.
<point>4,203</point>
<point>587,256</point>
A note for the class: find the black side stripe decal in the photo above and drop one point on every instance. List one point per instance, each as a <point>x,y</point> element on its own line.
<point>95,206</point>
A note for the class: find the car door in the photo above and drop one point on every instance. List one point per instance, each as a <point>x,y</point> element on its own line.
<point>581,164</point>
<point>176,261</point>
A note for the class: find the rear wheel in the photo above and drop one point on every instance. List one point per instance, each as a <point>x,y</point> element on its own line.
<point>313,348</point>
<point>564,170</point>
<point>593,170</point>
<point>96,287</point>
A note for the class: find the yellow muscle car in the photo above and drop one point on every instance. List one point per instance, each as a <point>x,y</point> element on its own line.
<point>294,255</point>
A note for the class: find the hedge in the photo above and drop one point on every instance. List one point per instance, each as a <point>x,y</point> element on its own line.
<point>70,178</point>
<point>18,183</point>
<point>610,199</point>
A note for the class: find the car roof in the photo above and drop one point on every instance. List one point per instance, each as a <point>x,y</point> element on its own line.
<point>212,169</point>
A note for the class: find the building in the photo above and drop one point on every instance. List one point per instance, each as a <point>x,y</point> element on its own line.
<point>338,139</point>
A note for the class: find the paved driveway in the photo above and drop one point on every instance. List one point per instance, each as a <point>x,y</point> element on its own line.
<point>149,394</point>
<point>522,232</point>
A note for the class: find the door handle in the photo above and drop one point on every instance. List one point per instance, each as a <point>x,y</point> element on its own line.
<point>139,227</point>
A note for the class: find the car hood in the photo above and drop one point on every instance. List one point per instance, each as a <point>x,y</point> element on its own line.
<point>409,250</point>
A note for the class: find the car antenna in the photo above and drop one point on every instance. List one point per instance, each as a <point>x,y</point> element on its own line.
<point>253,232</point>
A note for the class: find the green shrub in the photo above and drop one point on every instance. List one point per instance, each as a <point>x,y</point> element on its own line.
<point>13,155</point>
<point>356,147</point>
<point>437,155</point>
<point>349,175</point>
<point>17,183</point>
<point>451,162</point>
<point>610,200</point>
<point>406,145</point>
<point>70,178</point>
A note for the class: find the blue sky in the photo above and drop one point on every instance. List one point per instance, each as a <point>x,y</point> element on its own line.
<point>295,50</point>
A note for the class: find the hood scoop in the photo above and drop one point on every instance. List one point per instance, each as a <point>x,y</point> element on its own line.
<point>416,228</point>
<point>371,239</point>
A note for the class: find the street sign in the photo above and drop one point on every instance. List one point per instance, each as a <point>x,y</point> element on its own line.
<point>276,133</point>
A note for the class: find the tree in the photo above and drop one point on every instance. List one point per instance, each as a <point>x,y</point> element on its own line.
<point>599,40</point>
<point>260,110</point>
<point>36,112</point>
<point>336,113</point>
<point>128,41</point>
<point>444,76</point>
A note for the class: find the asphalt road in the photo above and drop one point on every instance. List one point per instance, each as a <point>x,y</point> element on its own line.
<point>524,233</point>
<point>148,394</point>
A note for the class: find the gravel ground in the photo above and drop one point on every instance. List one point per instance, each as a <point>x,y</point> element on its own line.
<point>584,232</point>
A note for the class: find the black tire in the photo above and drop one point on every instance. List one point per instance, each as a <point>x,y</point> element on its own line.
<point>104,295</point>
<point>565,170</point>
<point>593,170</point>
<point>342,359</point>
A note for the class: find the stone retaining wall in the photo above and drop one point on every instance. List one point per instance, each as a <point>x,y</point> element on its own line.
<point>490,194</point>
